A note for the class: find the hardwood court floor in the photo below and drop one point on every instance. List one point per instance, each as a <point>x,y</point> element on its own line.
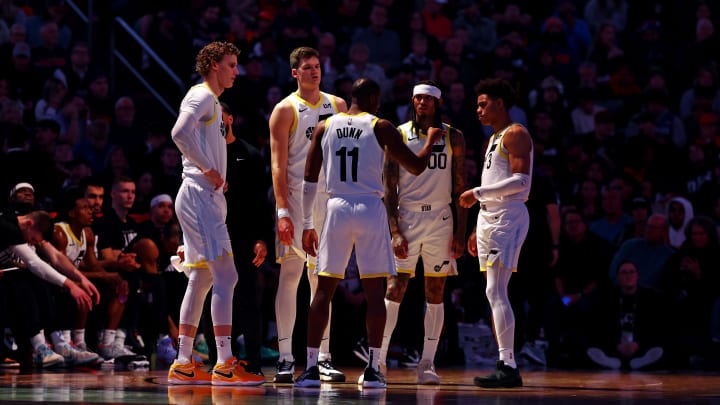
<point>540,387</point>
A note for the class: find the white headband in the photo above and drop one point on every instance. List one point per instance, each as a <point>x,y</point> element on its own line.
<point>427,89</point>
<point>160,198</point>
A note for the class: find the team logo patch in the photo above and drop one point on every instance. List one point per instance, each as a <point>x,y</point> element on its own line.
<point>438,267</point>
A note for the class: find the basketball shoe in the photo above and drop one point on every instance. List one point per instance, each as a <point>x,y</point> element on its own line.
<point>233,372</point>
<point>189,373</point>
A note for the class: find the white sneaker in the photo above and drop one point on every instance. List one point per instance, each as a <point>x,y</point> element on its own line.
<point>44,357</point>
<point>426,374</point>
<point>113,351</point>
<point>653,355</point>
<point>74,356</point>
<point>329,373</point>
<point>600,358</point>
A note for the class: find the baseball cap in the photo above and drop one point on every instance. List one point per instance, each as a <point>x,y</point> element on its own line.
<point>160,198</point>
<point>21,49</point>
<point>21,186</point>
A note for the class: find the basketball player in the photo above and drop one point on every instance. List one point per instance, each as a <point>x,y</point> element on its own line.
<point>351,156</point>
<point>503,219</point>
<point>201,210</point>
<point>291,125</point>
<point>421,221</point>
<point>75,239</point>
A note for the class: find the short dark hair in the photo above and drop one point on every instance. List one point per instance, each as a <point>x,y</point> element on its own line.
<point>364,87</point>
<point>497,88</point>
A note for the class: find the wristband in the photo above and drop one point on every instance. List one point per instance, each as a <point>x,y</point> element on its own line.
<point>283,213</point>
<point>477,193</point>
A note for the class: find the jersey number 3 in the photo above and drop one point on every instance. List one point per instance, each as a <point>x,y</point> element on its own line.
<point>343,154</point>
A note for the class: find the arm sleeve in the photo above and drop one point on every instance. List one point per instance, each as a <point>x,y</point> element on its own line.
<point>37,266</point>
<point>513,184</point>
<point>185,134</point>
<point>308,198</point>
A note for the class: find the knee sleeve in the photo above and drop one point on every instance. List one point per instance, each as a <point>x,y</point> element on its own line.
<point>199,283</point>
<point>224,279</point>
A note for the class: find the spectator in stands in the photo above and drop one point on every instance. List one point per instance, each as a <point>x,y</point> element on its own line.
<point>49,55</point>
<point>629,331</point>
<point>611,225</point>
<point>668,126</point>
<point>579,275</point>
<point>383,43</point>
<point>651,254</point>
<point>679,213</point>
<point>693,285</point>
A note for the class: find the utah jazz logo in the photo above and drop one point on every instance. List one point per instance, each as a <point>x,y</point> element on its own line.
<point>438,267</point>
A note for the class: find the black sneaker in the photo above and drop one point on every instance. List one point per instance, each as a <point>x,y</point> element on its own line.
<point>310,378</point>
<point>329,373</point>
<point>504,377</point>
<point>285,371</point>
<point>373,379</point>
<point>254,368</point>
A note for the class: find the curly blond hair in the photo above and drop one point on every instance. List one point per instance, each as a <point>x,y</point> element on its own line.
<point>213,52</point>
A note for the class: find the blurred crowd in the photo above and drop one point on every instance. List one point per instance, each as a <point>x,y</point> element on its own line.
<point>621,267</point>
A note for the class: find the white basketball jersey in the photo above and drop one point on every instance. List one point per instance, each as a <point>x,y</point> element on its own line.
<point>306,118</point>
<point>352,157</point>
<point>497,167</point>
<point>434,185</point>
<point>76,248</point>
<point>204,105</point>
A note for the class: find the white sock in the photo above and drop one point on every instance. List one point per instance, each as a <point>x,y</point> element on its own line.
<point>508,357</point>
<point>374,353</point>
<point>185,346</point>
<point>324,357</point>
<point>66,335</point>
<point>108,336</point>
<point>312,357</point>
<point>224,350</point>
<point>57,339</point>
<point>392,309</point>
<point>38,340</point>
<point>434,315</point>
<point>120,337</point>
<point>78,336</point>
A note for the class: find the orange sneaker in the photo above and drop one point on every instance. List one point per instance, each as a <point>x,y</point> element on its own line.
<point>233,372</point>
<point>189,373</point>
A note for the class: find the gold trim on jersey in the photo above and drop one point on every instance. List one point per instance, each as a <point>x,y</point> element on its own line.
<point>215,114</point>
<point>71,233</point>
<point>363,276</point>
<point>332,275</point>
<point>447,127</point>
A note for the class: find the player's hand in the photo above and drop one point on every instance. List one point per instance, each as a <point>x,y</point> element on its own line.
<point>457,249</point>
<point>434,135</point>
<point>400,246</point>
<point>260,250</point>
<point>82,299</point>
<point>90,289</point>
<point>310,242</point>
<point>225,187</point>
<point>286,231</point>
<point>467,199</point>
<point>127,261</point>
<point>214,177</point>
<point>472,244</point>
